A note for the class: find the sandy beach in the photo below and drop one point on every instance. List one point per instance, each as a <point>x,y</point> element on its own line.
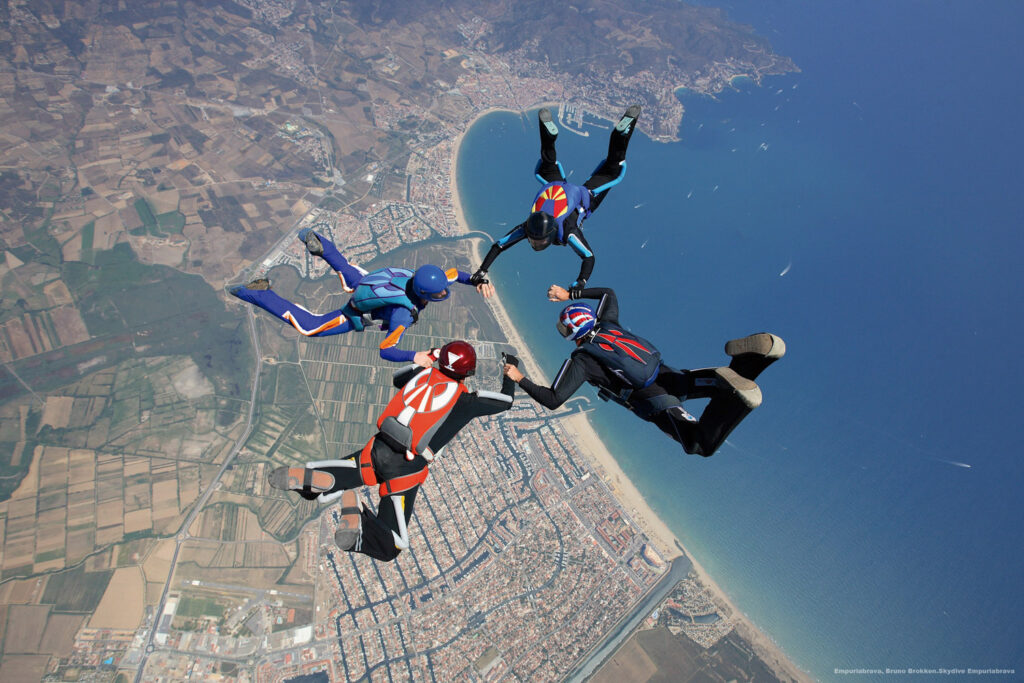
<point>604,463</point>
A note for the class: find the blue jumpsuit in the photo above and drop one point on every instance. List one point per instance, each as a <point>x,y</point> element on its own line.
<point>388,299</point>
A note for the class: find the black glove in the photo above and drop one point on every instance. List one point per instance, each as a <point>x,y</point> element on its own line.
<point>576,289</point>
<point>478,278</point>
<point>509,359</point>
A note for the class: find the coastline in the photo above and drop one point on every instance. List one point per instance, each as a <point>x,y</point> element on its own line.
<point>604,463</point>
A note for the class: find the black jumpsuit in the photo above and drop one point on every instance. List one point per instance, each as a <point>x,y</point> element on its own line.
<point>604,177</point>
<point>671,387</point>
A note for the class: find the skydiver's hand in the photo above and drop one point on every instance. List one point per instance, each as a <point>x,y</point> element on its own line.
<point>556,293</point>
<point>512,372</point>
<point>486,289</point>
<point>424,359</point>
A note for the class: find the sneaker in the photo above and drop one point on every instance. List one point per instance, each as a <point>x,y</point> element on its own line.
<point>313,245</point>
<point>626,122</point>
<point>762,344</point>
<point>547,123</point>
<point>745,390</point>
<point>350,526</point>
<point>259,284</point>
<point>301,478</point>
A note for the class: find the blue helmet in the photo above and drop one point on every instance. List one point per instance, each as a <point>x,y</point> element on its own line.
<point>430,283</point>
<point>576,321</point>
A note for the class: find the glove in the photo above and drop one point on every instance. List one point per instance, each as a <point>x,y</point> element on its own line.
<point>576,290</point>
<point>478,278</point>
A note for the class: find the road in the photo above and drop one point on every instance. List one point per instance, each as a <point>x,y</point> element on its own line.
<point>681,567</point>
<point>183,534</point>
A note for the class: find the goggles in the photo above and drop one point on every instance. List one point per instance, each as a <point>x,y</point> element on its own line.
<point>439,296</point>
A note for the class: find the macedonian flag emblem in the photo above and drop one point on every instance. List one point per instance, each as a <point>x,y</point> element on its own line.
<point>552,201</point>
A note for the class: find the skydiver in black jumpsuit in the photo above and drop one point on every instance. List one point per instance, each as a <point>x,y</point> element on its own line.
<point>559,209</point>
<point>732,390</point>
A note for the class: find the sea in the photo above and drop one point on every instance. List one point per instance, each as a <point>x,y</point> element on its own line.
<point>868,210</point>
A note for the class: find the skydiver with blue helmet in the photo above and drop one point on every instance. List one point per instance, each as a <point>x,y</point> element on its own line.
<point>559,209</point>
<point>628,370</point>
<point>393,296</point>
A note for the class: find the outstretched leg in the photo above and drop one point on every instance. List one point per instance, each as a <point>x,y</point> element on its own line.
<point>548,169</point>
<point>323,479</point>
<point>386,534</point>
<point>309,324</point>
<point>732,398</point>
<point>318,245</point>
<point>752,354</point>
<point>613,168</point>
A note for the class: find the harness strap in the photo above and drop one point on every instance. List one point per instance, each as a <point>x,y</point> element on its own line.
<point>391,486</point>
<point>354,315</point>
<point>403,483</point>
<point>366,464</point>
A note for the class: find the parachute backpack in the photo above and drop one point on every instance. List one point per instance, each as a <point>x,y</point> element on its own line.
<point>384,287</point>
<point>632,359</point>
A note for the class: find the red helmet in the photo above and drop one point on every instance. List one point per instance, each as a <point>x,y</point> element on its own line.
<point>457,359</point>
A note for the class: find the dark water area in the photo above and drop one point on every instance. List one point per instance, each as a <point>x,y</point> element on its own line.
<point>869,513</point>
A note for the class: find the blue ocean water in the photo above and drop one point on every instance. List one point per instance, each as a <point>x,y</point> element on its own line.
<point>869,514</point>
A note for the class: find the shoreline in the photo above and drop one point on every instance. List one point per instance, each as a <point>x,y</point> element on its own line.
<point>604,463</point>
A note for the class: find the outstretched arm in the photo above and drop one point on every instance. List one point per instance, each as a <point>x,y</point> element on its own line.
<point>481,284</point>
<point>514,236</point>
<point>404,375</point>
<point>399,322</point>
<point>607,306</point>
<point>579,244</point>
<point>567,382</point>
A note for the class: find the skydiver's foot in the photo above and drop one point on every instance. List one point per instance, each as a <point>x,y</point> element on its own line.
<point>301,479</point>
<point>746,390</point>
<point>755,352</point>
<point>350,526</point>
<point>313,245</point>
<point>625,124</point>
<point>761,344</point>
<point>257,285</point>
<point>547,124</point>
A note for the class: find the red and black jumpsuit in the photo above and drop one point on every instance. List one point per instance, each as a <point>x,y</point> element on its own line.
<point>383,461</point>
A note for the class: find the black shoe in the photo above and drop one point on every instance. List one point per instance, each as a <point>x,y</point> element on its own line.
<point>547,124</point>
<point>753,353</point>
<point>313,245</point>
<point>300,479</point>
<point>762,344</point>
<point>746,390</point>
<point>350,527</point>
<point>625,124</point>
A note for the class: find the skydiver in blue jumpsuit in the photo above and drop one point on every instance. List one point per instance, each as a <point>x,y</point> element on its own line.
<point>393,296</point>
<point>559,209</point>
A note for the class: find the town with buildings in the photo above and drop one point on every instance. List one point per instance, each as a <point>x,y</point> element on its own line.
<point>151,153</point>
